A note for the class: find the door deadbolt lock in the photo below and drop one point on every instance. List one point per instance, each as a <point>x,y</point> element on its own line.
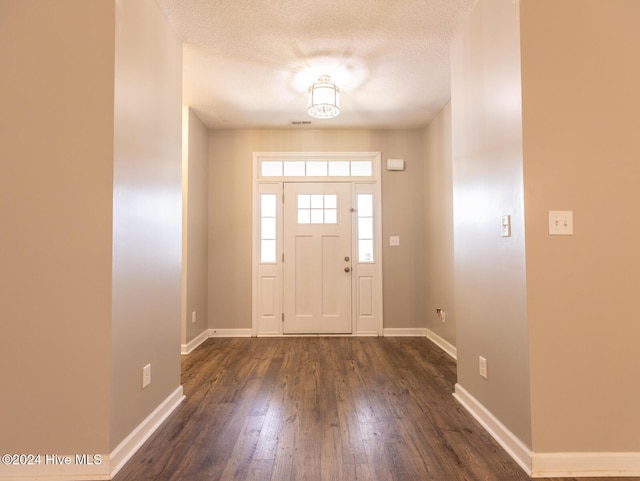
<point>347,259</point>
<point>347,269</point>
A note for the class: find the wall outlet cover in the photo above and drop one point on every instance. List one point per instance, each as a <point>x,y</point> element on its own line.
<point>146,376</point>
<point>482,367</point>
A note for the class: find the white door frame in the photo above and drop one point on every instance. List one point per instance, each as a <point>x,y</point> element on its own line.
<point>267,277</point>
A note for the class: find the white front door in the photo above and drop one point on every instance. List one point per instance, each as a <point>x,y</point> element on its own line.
<point>317,258</point>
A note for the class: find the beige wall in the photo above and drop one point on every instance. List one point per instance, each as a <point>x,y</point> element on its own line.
<point>195,201</point>
<point>55,215</point>
<point>574,315</point>
<point>438,227</point>
<point>581,103</point>
<point>490,287</point>
<point>147,221</point>
<point>91,221</point>
<point>230,174</point>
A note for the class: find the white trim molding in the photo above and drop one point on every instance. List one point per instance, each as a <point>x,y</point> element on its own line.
<point>230,332</point>
<point>366,334</point>
<point>208,333</point>
<point>128,447</point>
<point>520,453</point>
<point>584,465</point>
<point>550,465</point>
<point>90,466</point>
<point>443,344</point>
<point>195,342</point>
<point>405,332</point>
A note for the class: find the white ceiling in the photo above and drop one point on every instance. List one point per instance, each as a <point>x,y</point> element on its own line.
<point>249,63</point>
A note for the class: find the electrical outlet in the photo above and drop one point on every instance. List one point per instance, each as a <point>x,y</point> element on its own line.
<point>482,365</point>
<point>441,315</point>
<point>146,376</point>
<point>193,317</point>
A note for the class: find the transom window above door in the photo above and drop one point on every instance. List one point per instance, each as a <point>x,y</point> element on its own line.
<point>316,168</point>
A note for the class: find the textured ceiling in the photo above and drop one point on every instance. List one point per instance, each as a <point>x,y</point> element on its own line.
<point>248,63</point>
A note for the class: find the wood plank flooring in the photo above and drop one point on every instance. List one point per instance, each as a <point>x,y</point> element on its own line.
<point>320,409</point>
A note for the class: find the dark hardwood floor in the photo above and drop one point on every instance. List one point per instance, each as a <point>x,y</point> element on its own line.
<point>320,409</point>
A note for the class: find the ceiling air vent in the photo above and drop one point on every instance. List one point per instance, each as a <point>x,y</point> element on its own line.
<point>300,122</point>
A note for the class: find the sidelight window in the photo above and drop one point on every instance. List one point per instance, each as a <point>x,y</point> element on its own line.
<point>268,228</point>
<point>365,228</point>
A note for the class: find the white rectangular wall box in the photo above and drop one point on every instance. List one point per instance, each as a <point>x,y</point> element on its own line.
<point>482,367</point>
<point>506,226</point>
<point>395,164</point>
<point>146,376</point>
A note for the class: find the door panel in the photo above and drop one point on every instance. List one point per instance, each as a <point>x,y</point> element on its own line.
<point>330,290</point>
<point>304,259</point>
<point>317,240</point>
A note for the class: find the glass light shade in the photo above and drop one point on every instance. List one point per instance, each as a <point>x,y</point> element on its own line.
<point>324,98</point>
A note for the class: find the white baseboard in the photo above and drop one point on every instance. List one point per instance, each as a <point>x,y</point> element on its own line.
<point>550,465</point>
<point>195,342</point>
<point>405,332</point>
<point>279,334</point>
<point>443,344</point>
<point>585,465</point>
<point>366,334</point>
<point>127,448</point>
<point>203,336</point>
<point>505,438</point>
<point>249,333</point>
<point>93,467</point>
<point>230,332</point>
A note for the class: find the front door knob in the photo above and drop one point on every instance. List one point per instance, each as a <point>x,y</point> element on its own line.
<point>347,269</point>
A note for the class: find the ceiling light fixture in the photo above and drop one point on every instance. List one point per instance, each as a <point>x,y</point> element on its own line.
<point>324,98</point>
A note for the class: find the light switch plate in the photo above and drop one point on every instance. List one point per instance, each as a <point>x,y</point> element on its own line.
<point>483,368</point>
<point>394,240</point>
<point>146,376</point>
<point>560,222</point>
<point>506,226</point>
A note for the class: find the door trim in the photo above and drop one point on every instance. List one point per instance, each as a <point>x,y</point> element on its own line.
<point>267,278</point>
